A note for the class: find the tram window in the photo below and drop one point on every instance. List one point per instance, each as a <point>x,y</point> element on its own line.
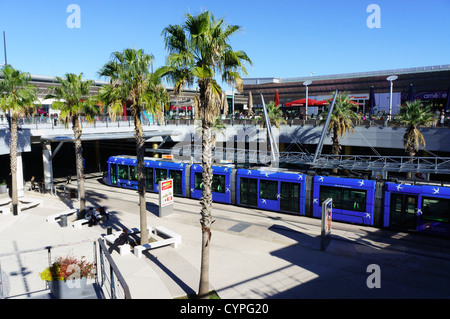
<point>198,182</point>
<point>218,183</point>
<point>133,173</point>
<point>268,189</point>
<point>160,175</point>
<point>149,178</point>
<point>344,198</point>
<point>353,199</point>
<point>177,177</point>
<point>436,209</point>
<point>123,172</point>
<point>113,174</point>
<point>333,193</point>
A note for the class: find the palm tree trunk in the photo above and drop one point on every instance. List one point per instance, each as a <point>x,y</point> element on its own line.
<point>13,163</point>
<point>335,147</point>
<point>76,126</point>
<point>139,136</point>
<point>206,203</point>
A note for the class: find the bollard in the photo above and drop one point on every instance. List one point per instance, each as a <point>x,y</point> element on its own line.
<point>63,222</point>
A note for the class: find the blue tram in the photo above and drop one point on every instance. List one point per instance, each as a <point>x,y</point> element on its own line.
<point>422,208</point>
<point>419,208</point>
<point>353,199</point>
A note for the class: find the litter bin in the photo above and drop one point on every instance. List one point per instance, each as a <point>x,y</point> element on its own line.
<point>63,221</point>
<point>108,230</point>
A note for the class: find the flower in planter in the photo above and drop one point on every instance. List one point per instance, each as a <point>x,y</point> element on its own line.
<point>68,268</point>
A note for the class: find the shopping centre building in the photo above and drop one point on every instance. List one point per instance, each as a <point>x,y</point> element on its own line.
<point>430,84</point>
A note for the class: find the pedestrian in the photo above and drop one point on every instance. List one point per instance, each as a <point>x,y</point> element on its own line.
<point>94,217</point>
<point>102,212</point>
<point>442,119</point>
<point>121,240</point>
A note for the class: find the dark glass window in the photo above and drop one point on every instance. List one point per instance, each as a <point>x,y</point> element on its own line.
<point>249,191</point>
<point>268,189</point>
<point>436,209</point>
<point>344,198</point>
<point>149,178</point>
<point>113,174</point>
<point>133,173</point>
<point>198,182</point>
<point>160,175</point>
<point>123,172</point>
<point>218,183</point>
<point>290,197</point>
<point>177,177</point>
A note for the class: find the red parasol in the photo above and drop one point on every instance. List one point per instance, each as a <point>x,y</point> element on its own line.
<point>301,102</point>
<point>277,98</point>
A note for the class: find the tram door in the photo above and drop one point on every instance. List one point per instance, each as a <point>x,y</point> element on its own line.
<point>249,191</point>
<point>403,211</point>
<point>290,197</point>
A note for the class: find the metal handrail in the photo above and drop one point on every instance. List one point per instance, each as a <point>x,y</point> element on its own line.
<point>113,270</point>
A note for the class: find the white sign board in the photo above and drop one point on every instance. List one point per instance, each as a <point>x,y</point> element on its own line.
<point>166,192</point>
<point>327,214</point>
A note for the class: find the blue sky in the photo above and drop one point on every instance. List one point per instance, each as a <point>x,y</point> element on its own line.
<point>284,38</point>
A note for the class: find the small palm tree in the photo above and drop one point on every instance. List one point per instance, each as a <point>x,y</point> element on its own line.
<point>74,100</point>
<point>16,97</point>
<point>131,81</point>
<point>341,121</point>
<point>199,50</point>
<point>275,115</point>
<point>413,115</point>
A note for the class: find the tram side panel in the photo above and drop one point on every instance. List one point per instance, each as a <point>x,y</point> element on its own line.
<point>353,199</point>
<point>221,183</point>
<point>420,208</point>
<point>270,190</point>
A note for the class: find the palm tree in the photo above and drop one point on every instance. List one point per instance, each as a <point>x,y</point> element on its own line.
<point>131,81</point>
<point>413,115</point>
<point>16,97</point>
<point>341,121</point>
<point>275,115</point>
<point>200,50</point>
<point>74,100</point>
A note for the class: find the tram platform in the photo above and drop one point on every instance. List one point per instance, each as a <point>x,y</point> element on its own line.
<point>254,254</point>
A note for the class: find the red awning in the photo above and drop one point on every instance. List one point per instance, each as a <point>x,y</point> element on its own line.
<point>302,102</point>
<point>173,108</point>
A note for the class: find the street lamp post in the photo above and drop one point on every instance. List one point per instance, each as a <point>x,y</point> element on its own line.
<point>306,83</point>
<point>391,79</point>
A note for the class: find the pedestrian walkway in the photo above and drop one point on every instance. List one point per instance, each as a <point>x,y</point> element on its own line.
<point>254,254</point>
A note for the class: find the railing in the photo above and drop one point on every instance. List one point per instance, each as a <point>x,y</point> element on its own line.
<point>19,270</point>
<point>37,122</point>
<point>110,275</point>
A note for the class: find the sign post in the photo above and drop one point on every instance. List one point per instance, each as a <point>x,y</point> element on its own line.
<point>327,208</point>
<point>165,197</point>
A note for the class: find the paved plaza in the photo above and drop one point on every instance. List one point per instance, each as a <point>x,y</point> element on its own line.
<point>254,254</point>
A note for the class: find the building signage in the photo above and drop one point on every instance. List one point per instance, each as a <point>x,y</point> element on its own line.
<point>427,95</point>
